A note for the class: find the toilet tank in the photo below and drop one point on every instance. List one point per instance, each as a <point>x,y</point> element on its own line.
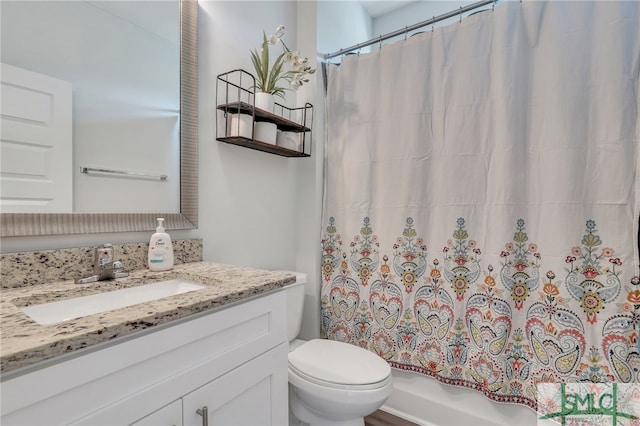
<point>295,303</point>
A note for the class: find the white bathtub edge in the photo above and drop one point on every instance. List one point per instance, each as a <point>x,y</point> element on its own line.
<point>427,402</point>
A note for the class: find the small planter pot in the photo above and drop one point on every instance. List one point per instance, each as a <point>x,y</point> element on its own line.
<point>264,101</point>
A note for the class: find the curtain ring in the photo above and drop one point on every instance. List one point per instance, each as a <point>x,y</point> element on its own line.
<point>380,41</point>
<point>493,6</point>
<point>460,13</point>
<point>406,30</point>
<point>433,23</point>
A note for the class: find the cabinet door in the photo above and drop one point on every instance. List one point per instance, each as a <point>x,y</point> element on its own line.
<point>169,415</point>
<point>255,393</point>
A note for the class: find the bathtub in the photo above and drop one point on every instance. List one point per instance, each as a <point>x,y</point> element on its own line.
<point>429,403</point>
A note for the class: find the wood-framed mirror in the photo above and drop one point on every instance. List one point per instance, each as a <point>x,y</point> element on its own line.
<point>42,224</point>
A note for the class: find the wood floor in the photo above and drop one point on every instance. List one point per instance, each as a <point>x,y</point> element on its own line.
<point>380,418</point>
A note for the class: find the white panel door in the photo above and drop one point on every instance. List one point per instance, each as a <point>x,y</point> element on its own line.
<point>253,394</point>
<point>36,173</point>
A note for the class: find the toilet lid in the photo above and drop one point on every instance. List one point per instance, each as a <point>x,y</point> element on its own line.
<point>340,363</point>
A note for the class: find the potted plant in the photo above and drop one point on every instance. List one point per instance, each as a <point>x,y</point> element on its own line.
<point>289,66</point>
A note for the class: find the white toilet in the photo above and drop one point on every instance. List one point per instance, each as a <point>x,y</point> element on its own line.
<point>330,382</point>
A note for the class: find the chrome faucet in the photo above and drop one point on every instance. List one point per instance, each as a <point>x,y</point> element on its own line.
<point>104,268</point>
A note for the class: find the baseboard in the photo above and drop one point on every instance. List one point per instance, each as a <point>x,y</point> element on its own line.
<point>405,416</point>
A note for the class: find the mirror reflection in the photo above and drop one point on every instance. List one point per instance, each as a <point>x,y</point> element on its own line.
<point>90,84</point>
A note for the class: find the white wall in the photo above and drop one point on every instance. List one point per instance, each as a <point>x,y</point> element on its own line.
<point>414,13</point>
<point>247,198</point>
<point>341,24</point>
<point>309,178</point>
<point>344,23</point>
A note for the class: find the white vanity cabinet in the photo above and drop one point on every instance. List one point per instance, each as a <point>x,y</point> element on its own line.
<point>232,360</point>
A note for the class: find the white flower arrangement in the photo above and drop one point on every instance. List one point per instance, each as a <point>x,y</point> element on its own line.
<point>267,80</point>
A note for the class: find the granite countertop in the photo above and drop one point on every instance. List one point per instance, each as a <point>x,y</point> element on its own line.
<point>23,342</point>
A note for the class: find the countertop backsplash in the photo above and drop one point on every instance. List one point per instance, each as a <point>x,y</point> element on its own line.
<point>41,267</point>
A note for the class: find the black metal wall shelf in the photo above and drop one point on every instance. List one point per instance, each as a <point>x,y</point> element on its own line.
<point>234,95</point>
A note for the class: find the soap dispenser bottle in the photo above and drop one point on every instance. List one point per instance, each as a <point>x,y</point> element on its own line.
<point>160,249</point>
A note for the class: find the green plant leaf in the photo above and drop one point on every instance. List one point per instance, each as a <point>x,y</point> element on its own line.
<point>260,79</point>
<point>265,61</point>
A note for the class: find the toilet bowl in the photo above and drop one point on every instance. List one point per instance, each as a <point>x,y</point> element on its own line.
<point>335,383</point>
<point>331,383</point>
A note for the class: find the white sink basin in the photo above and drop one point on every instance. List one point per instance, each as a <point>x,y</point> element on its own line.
<point>63,310</point>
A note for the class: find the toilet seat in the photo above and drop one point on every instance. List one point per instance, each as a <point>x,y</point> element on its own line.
<point>339,365</point>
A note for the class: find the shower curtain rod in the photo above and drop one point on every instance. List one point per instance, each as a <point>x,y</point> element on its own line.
<point>405,30</point>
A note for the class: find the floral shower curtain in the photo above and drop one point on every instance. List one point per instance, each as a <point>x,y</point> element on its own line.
<point>481,211</point>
